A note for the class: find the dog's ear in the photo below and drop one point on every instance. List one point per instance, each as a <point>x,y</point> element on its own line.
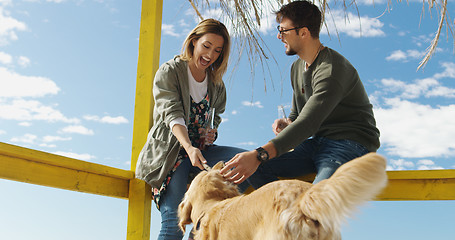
<point>219,165</point>
<point>184,213</point>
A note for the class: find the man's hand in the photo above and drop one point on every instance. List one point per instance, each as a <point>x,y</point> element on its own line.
<point>280,124</point>
<point>241,167</point>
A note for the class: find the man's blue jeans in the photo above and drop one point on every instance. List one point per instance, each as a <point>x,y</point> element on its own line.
<point>315,155</point>
<point>178,186</point>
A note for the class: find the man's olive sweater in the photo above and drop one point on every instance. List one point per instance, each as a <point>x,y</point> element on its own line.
<point>329,100</point>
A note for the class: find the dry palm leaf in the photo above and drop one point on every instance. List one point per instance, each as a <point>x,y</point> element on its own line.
<point>245,18</point>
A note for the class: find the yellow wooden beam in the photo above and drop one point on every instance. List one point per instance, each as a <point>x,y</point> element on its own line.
<point>66,162</point>
<point>147,65</point>
<point>139,206</point>
<point>415,185</point>
<point>420,185</point>
<point>41,168</point>
<point>139,210</point>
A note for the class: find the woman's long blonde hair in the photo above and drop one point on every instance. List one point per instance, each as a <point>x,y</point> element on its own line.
<point>219,67</point>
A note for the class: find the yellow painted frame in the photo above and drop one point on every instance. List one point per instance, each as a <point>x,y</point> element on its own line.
<point>36,167</point>
<point>140,194</point>
<point>41,168</point>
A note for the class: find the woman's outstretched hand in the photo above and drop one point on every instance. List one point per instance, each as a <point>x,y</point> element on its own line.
<point>196,158</point>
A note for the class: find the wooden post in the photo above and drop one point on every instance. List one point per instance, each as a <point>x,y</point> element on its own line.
<point>139,206</point>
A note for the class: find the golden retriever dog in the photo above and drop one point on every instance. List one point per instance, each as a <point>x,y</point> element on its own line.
<point>281,210</point>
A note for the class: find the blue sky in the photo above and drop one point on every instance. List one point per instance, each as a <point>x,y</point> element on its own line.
<point>67,85</point>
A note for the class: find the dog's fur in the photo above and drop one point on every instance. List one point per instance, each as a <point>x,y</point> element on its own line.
<point>281,210</point>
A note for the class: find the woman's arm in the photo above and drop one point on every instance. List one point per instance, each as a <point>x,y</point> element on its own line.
<point>195,155</point>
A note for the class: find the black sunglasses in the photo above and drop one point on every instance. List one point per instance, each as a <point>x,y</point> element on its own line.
<point>281,31</point>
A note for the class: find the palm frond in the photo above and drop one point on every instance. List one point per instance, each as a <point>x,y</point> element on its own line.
<point>245,19</point>
<point>443,18</point>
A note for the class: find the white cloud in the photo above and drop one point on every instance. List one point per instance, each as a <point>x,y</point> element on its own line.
<point>422,40</point>
<point>55,1</point>
<point>441,91</point>
<point>84,156</point>
<point>449,71</point>
<point>252,104</point>
<point>213,13</point>
<point>268,23</point>
<point>415,54</point>
<point>234,112</point>
<point>183,23</point>
<point>409,91</point>
<point>49,138</point>
<point>414,130</point>
<point>5,58</point>
<point>79,129</point>
<point>114,120</point>
<point>27,138</point>
<point>247,143</point>
<point>396,56</point>
<point>47,145</point>
<point>399,55</point>
<point>5,2</point>
<point>29,110</point>
<point>33,139</point>
<point>400,164</point>
<point>426,164</point>
<point>16,85</point>
<point>91,118</point>
<point>268,19</point>
<point>352,25</point>
<point>370,2</point>
<point>9,27</point>
<point>428,87</point>
<point>23,61</point>
<point>401,34</point>
<point>25,124</point>
<point>2,132</point>
<point>107,119</point>
<point>169,29</point>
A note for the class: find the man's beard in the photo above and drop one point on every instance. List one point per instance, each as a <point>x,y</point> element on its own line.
<point>290,52</point>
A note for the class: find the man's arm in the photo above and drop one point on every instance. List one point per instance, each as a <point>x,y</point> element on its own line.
<point>244,164</point>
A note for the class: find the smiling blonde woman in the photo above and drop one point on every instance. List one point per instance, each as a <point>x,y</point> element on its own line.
<point>179,145</point>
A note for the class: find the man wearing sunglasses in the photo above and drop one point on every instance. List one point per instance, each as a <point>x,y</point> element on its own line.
<point>331,120</point>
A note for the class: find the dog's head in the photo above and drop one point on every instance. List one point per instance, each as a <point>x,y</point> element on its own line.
<point>206,186</point>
